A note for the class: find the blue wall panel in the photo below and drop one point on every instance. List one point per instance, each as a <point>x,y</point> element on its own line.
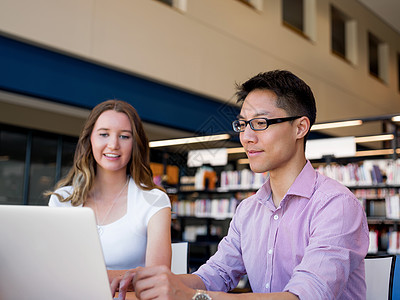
<point>38,72</point>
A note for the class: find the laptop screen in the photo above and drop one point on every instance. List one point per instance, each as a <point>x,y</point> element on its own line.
<point>51,253</point>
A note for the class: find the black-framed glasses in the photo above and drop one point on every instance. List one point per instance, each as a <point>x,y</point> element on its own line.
<point>259,124</point>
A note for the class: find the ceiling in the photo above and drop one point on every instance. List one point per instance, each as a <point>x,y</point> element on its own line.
<point>388,10</point>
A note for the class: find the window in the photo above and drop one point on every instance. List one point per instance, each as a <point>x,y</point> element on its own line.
<point>300,15</point>
<point>293,13</point>
<point>31,162</point>
<point>12,166</point>
<point>168,2</point>
<point>338,27</point>
<point>378,57</point>
<point>67,155</point>
<point>373,44</point>
<point>398,71</point>
<point>42,168</point>
<point>343,35</point>
<point>178,4</point>
<point>257,4</point>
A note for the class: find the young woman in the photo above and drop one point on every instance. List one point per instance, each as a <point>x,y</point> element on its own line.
<point>111,174</point>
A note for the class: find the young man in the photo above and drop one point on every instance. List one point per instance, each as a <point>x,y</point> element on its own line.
<point>301,236</point>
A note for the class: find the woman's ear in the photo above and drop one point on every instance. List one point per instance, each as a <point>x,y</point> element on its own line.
<point>303,126</point>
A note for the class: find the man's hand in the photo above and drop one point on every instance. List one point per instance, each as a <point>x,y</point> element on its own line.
<point>159,283</point>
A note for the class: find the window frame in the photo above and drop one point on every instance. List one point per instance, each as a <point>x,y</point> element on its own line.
<point>350,36</point>
<point>309,20</point>
<point>382,57</point>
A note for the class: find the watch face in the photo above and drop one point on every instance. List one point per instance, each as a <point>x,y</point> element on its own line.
<point>202,297</point>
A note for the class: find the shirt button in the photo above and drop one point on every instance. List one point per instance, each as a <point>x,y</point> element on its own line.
<point>276,217</point>
<point>270,251</point>
<point>267,286</point>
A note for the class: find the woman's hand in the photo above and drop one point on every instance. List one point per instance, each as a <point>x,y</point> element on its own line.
<point>121,281</point>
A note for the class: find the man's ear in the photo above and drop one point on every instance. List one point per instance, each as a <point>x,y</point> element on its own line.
<point>303,126</point>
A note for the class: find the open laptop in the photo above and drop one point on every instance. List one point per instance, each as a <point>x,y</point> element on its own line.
<point>49,253</point>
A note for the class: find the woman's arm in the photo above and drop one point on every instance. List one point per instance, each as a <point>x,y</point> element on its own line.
<point>158,250</point>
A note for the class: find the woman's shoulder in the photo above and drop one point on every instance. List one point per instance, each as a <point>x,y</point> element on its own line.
<point>63,192</point>
<point>156,197</point>
<point>154,193</point>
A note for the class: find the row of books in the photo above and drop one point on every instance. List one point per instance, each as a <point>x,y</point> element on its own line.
<point>206,179</point>
<point>203,208</point>
<point>392,204</point>
<point>394,242</point>
<point>376,209</point>
<point>377,193</point>
<point>192,232</point>
<point>388,207</point>
<point>370,172</point>
<point>388,241</point>
<point>392,170</point>
<point>373,242</point>
<point>243,179</point>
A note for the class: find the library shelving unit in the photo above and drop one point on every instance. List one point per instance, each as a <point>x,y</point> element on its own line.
<point>373,175</point>
<point>376,183</point>
<point>206,201</point>
<point>202,217</point>
<point>381,203</point>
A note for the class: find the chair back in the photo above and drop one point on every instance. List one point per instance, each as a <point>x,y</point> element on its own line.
<point>379,273</point>
<point>179,262</point>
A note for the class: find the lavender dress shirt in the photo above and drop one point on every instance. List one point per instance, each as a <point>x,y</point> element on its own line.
<point>313,245</point>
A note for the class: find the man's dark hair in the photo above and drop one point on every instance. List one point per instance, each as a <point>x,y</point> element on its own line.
<point>293,94</point>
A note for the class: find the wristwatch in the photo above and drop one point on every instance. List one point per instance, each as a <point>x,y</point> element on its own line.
<point>201,295</point>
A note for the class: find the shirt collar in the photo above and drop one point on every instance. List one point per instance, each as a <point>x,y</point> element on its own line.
<point>263,193</point>
<point>303,185</point>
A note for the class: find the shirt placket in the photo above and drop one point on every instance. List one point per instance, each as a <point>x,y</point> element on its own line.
<point>274,224</point>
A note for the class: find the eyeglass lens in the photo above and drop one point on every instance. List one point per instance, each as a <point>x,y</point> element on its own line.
<point>255,124</point>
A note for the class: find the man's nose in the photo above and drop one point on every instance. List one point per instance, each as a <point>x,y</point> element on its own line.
<point>248,135</point>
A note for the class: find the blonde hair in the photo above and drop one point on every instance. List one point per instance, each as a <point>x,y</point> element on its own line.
<point>81,176</point>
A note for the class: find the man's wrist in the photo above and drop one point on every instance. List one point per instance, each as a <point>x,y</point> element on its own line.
<point>201,295</point>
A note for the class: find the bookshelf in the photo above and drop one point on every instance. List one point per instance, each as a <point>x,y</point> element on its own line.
<point>204,200</point>
<point>376,183</point>
<point>207,200</point>
<point>202,218</point>
<point>204,214</point>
